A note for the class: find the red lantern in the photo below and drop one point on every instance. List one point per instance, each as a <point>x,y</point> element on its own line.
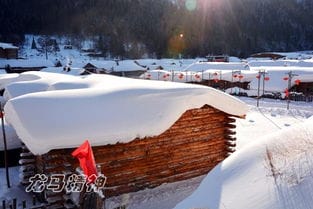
<point>240,76</point>
<point>235,76</point>
<point>216,80</point>
<point>148,76</point>
<point>215,74</point>
<point>258,76</point>
<point>181,76</point>
<point>197,76</point>
<point>297,82</point>
<point>287,92</point>
<point>1,114</point>
<point>285,78</point>
<point>267,78</point>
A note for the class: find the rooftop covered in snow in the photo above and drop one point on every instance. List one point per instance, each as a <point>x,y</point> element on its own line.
<point>104,109</point>
<point>21,63</point>
<point>202,66</point>
<point>7,46</point>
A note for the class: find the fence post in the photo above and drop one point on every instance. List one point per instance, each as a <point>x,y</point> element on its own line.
<point>24,204</point>
<point>93,199</point>
<point>5,148</point>
<point>258,98</point>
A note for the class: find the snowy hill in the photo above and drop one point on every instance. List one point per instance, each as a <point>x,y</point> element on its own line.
<point>274,172</point>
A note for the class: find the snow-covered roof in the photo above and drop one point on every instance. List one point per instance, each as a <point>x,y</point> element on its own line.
<point>167,64</point>
<point>7,46</point>
<point>281,63</point>
<point>270,173</point>
<point>28,82</point>
<point>102,64</point>
<point>25,63</point>
<point>6,79</point>
<point>120,66</point>
<point>202,66</point>
<point>104,109</point>
<point>127,65</point>
<point>64,70</point>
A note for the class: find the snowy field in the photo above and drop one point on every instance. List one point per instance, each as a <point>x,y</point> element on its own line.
<point>260,123</point>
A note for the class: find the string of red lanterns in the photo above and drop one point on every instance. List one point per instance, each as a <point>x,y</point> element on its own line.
<point>297,82</point>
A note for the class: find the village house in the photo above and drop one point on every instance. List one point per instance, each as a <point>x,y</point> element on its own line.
<point>21,65</point>
<point>142,135</point>
<point>8,51</point>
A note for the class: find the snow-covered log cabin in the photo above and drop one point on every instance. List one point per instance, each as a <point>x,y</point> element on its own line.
<point>143,133</point>
<point>8,51</point>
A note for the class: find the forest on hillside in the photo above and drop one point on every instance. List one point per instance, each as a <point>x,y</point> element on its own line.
<point>166,28</point>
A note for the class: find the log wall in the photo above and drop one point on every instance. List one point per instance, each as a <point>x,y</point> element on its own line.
<point>191,147</point>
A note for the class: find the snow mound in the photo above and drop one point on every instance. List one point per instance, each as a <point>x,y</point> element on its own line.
<point>104,109</point>
<point>30,82</point>
<point>275,172</point>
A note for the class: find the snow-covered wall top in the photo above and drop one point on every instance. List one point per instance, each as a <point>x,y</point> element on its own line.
<point>105,109</point>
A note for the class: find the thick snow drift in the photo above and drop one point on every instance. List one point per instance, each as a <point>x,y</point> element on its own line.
<point>30,82</point>
<point>104,109</point>
<point>275,172</point>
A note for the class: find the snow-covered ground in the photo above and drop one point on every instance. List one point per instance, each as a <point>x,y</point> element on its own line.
<point>251,178</point>
<point>269,118</point>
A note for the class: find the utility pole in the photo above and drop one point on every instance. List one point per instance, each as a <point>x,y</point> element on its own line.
<point>290,76</point>
<point>261,74</point>
<point>258,98</point>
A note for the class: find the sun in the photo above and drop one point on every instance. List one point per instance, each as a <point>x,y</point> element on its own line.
<point>191,4</point>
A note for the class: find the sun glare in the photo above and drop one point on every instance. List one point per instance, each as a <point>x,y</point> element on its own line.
<point>191,4</point>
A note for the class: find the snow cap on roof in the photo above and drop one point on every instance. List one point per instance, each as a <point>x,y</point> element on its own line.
<point>106,110</point>
<point>7,46</point>
<point>26,63</point>
<point>202,66</point>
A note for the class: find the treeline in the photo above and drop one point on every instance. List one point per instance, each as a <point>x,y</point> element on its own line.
<point>166,28</point>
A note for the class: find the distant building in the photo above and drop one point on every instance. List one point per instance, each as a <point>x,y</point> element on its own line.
<point>20,65</point>
<point>8,51</point>
<point>270,55</point>
<point>217,58</point>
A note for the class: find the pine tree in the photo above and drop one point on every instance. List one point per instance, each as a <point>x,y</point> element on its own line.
<point>34,44</point>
